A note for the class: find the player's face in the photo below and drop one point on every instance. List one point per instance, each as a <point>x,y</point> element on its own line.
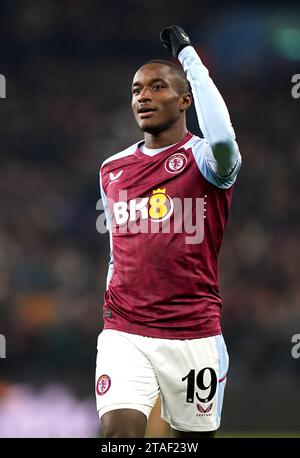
<point>156,103</point>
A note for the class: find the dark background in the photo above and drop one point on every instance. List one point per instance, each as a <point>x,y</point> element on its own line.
<point>68,67</point>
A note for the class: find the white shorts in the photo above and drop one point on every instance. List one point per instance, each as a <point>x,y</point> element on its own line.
<point>189,375</point>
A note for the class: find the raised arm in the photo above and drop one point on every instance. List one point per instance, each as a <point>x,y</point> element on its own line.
<point>212,113</point>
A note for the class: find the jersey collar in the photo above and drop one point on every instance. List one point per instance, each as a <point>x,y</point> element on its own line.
<point>166,151</point>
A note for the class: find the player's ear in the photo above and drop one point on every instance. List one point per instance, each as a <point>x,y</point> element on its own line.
<point>186,101</point>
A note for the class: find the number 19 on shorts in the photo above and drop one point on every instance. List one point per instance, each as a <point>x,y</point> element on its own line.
<point>206,380</point>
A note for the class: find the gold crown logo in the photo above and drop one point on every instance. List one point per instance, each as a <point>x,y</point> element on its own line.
<point>159,191</point>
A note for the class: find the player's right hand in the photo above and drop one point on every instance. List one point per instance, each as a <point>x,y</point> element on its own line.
<point>174,39</point>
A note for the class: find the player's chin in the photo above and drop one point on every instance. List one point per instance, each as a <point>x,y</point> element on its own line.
<point>151,127</point>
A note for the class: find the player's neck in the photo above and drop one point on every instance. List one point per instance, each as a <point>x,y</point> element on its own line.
<point>165,138</point>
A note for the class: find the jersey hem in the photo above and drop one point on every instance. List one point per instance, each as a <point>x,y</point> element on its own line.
<point>158,334</point>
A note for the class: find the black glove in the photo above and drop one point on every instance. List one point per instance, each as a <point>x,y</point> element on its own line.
<point>174,39</point>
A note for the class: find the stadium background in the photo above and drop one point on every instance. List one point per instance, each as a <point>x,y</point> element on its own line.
<point>68,68</point>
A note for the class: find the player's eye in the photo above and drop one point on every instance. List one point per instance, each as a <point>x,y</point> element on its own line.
<point>136,90</point>
<point>157,87</point>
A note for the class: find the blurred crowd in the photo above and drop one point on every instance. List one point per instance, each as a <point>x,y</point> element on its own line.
<point>68,67</point>
<point>52,411</point>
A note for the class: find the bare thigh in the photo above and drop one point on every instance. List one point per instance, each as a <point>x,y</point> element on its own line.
<point>122,423</point>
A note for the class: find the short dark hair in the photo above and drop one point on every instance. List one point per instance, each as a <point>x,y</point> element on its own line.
<point>177,71</point>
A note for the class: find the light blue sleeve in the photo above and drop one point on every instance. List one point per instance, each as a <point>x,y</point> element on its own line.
<point>220,160</point>
<point>109,227</point>
<point>207,165</point>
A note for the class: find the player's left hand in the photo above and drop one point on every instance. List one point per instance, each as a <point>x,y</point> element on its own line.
<point>174,39</point>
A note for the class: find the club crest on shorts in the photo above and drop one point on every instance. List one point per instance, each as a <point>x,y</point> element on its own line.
<point>103,384</point>
<point>176,163</point>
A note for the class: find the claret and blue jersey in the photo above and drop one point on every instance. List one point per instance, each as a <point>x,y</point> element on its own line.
<point>166,214</point>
